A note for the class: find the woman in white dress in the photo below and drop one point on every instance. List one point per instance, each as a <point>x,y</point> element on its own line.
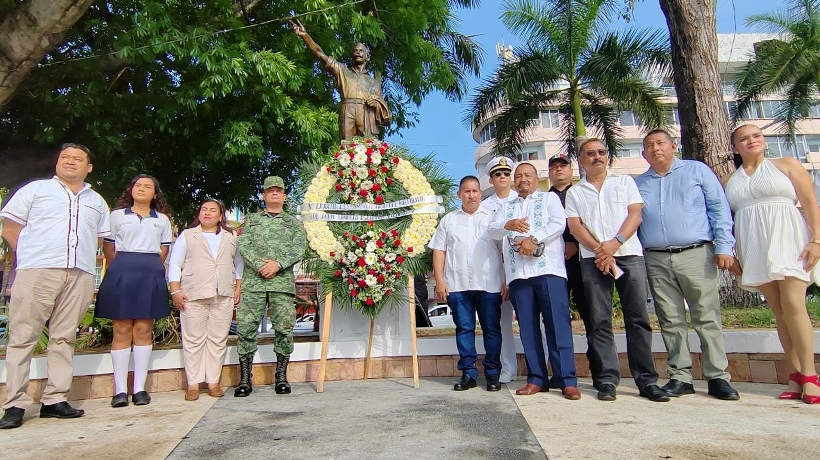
<point>777,248</point>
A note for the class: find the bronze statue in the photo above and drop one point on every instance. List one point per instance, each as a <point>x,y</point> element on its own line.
<point>362,110</point>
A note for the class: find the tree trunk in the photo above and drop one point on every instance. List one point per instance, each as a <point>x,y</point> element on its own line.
<point>29,32</point>
<point>703,119</point>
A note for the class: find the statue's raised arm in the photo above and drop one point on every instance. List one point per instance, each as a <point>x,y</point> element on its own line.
<point>362,110</point>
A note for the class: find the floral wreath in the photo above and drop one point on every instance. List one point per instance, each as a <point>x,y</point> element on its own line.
<point>366,256</point>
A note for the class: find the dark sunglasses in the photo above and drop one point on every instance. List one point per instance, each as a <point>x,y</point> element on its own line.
<point>500,173</point>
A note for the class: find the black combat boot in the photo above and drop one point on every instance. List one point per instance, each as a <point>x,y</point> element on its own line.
<point>282,385</point>
<point>245,387</point>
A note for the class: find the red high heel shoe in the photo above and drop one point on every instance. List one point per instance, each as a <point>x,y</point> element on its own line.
<point>813,380</point>
<point>797,378</point>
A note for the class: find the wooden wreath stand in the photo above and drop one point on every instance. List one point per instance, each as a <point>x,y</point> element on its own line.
<point>320,386</point>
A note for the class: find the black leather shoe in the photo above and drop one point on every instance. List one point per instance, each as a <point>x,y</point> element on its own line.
<point>554,384</point>
<point>60,410</point>
<point>465,383</point>
<point>119,400</point>
<point>607,392</point>
<point>721,389</point>
<point>141,398</point>
<point>242,391</point>
<point>13,418</point>
<point>675,388</point>
<point>654,393</point>
<point>492,383</point>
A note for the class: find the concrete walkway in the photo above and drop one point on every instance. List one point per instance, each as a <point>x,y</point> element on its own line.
<point>389,419</point>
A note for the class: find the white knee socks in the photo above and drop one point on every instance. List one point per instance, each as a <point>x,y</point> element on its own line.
<point>142,355</point>
<point>119,360</point>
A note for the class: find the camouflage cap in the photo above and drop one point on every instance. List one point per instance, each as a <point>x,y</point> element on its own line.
<point>273,181</point>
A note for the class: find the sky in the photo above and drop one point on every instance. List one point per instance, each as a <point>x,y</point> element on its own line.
<point>440,130</point>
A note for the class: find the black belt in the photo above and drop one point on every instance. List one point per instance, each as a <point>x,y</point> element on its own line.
<point>676,250</point>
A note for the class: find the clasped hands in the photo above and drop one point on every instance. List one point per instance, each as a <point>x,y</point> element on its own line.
<point>526,247</point>
<point>270,269</point>
<point>605,255</point>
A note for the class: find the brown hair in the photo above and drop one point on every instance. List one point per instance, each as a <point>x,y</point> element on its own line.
<point>158,204</point>
<point>222,224</point>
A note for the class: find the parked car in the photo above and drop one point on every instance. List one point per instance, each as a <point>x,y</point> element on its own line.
<point>304,325</point>
<point>441,316</point>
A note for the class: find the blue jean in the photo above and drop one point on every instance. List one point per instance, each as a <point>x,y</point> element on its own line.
<point>544,298</point>
<point>465,305</point>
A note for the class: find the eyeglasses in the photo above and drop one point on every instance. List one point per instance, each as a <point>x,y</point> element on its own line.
<point>501,173</point>
<point>592,153</point>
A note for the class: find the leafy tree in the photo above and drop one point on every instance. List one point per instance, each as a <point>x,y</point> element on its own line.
<point>788,64</point>
<point>210,97</point>
<point>573,62</point>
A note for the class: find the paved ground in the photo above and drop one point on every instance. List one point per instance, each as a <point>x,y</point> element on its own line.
<point>388,419</point>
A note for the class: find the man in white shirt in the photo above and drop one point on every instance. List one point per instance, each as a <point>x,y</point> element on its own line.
<point>467,266</point>
<point>54,226</point>
<point>530,227</point>
<point>500,171</point>
<point>603,213</point>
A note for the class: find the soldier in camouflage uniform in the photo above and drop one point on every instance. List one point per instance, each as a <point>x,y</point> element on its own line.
<point>271,243</point>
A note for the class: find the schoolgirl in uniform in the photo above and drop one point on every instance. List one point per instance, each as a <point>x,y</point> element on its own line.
<point>134,293</point>
<point>205,276</point>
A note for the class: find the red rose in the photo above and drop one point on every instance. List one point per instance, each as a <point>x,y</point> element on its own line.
<point>371,272</point>
<point>352,237</point>
<point>352,173</point>
<point>379,200</point>
<point>382,235</point>
<point>337,273</point>
<point>350,281</point>
<point>332,253</point>
<point>346,234</point>
<point>363,192</point>
<point>362,283</point>
<point>369,302</point>
<point>375,187</point>
<point>400,259</point>
<point>410,249</point>
<point>338,187</point>
<point>379,243</point>
<point>361,243</point>
<point>396,242</point>
<point>397,275</point>
<point>352,144</point>
<point>371,172</point>
<point>370,223</point>
<point>395,160</point>
<point>394,232</point>
<point>369,160</point>
<point>388,292</point>
<point>389,181</point>
<point>351,156</point>
<point>380,279</point>
<point>329,170</point>
<point>387,266</point>
<point>352,184</point>
<point>353,293</point>
<point>361,262</point>
<point>341,174</point>
<point>336,155</point>
<point>369,151</point>
<point>384,169</point>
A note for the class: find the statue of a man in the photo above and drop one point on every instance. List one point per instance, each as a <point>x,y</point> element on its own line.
<point>362,110</point>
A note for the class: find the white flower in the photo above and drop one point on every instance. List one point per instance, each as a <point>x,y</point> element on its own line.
<point>351,256</point>
<point>371,246</point>
<point>344,160</point>
<point>361,172</point>
<point>367,184</point>
<point>370,280</point>
<point>370,258</point>
<point>390,257</point>
<point>360,148</point>
<point>360,158</point>
<point>376,157</point>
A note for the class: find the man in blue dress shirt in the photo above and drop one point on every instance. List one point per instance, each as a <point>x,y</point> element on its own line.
<point>686,233</point>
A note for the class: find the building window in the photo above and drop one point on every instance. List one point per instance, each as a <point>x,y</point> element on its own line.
<point>813,143</point>
<point>628,118</point>
<point>768,109</point>
<point>487,133</point>
<point>673,117</point>
<point>550,119</point>
<point>778,147</point>
<point>526,156</point>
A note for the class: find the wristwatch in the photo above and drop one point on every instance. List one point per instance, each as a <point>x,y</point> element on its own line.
<point>620,239</point>
<point>534,240</point>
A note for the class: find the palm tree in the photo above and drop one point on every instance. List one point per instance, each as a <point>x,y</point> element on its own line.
<point>789,64</point>
<point>571,61</point>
